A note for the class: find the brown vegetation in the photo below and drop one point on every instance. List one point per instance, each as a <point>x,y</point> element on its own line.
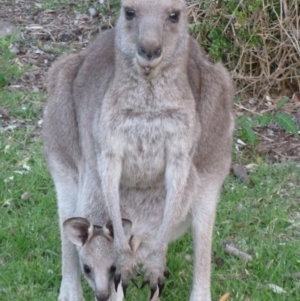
<point>269,64</point>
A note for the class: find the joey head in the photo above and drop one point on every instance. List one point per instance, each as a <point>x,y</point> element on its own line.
<point>90,241</point>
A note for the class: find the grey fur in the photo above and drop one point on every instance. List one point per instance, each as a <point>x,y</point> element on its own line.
<point>148,141</point>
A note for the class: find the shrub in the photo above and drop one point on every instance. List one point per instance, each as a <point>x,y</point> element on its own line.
<point>258,40</point>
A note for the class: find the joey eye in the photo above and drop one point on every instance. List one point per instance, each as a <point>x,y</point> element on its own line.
<point>174,17</point>
<point>86,269</point>
<point>129,13</point>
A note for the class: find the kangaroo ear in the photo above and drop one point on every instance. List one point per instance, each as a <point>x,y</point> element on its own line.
<point>78,230</point>
<point>108,229</point>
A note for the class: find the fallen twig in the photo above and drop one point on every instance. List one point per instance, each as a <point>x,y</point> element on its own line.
<point>231,249</point>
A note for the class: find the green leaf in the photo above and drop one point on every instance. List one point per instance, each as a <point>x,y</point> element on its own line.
<point>286,121</point>
<point>3,80</point>
<point>264,120</point>
<point>249,134</point>
<point>282,102</point>
<point>237,99</point>
<point>195,27</point>
<point>241,121</point>
<point>8,56</point>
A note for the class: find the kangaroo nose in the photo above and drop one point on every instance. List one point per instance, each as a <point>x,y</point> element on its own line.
<point>102,296</point>
<point>149,52</point>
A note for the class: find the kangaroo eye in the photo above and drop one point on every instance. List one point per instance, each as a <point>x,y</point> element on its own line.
<point>129,13</point>
<point>174,17</point>
<point>86,269</point>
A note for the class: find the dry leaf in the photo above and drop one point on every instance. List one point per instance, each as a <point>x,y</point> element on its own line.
<point>225,297</point>
<point>25,196</point>
<point>276,289</point>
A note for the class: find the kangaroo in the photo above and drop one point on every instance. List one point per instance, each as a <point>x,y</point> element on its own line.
<point>137,137</point>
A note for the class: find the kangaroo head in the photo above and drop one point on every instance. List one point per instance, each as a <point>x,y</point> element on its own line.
<point>95,249</point>
<point>151,34</point>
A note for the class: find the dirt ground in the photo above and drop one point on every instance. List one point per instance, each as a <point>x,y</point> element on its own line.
<point>44,34</point>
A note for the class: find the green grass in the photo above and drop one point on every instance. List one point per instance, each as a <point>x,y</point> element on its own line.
<point>261,218</point>
<point>9,69</point>
<point>29,252</point>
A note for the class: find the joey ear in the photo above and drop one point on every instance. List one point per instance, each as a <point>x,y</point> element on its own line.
<point>78,230</point>
<point>127,226</point>
<point>108,229</point>
<point>134,243</point>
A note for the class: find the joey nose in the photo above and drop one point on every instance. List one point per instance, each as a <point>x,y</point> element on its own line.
<point>149,52</point>
<point>102,296</point>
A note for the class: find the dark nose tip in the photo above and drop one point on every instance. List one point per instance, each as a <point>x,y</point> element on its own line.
<point>102,297</point>
<point>149,53</point>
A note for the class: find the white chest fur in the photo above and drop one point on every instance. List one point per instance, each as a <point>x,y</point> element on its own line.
<point>141,123</point>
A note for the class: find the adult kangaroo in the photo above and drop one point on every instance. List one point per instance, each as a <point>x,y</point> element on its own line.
<point>137,136</point>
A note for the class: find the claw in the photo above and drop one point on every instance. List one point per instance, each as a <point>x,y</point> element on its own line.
<point>167,274</point>
<point>161,286</point>
<point>145,282</point>
<point>112,269</point>
<point>135,283</point>
<point>152,290</point>
<point>117,280</point>
<point>124,286</point>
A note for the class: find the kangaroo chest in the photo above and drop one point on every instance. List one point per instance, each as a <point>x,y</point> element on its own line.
<point>145,143</point>
<point>146,125</point>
